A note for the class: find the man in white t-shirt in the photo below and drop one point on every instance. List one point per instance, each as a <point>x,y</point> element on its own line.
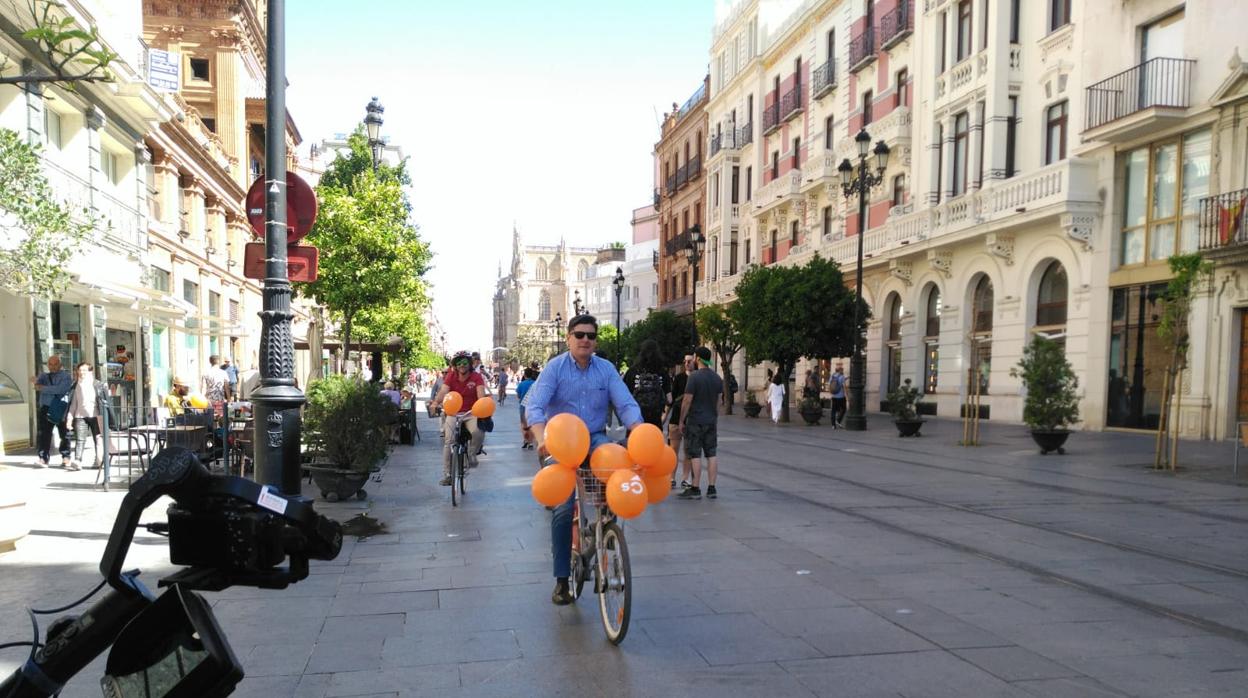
<point>215,380</point>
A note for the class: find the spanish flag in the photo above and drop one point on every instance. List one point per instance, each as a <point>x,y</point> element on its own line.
<point>1231,220</point>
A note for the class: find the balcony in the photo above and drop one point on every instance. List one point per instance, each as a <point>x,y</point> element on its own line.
<point>115,221</point>
<point>657,197</point>
<point>896,25</point>
<point>791,103</point>
<point>694,168</point>
<point>745,135</point>
<point>682,176</point>
<point>778,191</point>
<point>820,169</point>
<point>1148,97</point>
<point>1224,226</point>
<point>823,80</point>
<point>771,119</point>
<point>862,50</point>
<point>676,246</point>
<point>671,185</point>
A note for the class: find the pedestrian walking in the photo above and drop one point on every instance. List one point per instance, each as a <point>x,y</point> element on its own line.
<point>88,401</point>
<point>837,384</point>
<point>775,397</point>
<point>699,422</point>
<point>731,382</point>
<point>53,387</point>
<point>522,391</point>
<point>502,386</point>
<point>674,436</point>
<point>214,381</point>
<point>811,387</point>
<point>649,382</point>
<point>231,378</point>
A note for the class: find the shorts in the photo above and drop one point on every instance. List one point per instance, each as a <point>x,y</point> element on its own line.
<point>701,438</point>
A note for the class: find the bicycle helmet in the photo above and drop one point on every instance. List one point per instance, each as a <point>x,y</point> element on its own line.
<point>461,355</point>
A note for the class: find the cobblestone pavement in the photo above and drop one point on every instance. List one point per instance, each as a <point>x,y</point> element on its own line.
<point>832,564</point>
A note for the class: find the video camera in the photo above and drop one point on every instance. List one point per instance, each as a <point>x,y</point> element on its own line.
<point>224,531</point>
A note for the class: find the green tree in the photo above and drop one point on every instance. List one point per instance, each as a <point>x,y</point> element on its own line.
<point>38,235</point>
<point>784,313</point>
<point>69,54</point>
<point>607,334</point>
<point>532,345</point>
<point>372,258</point>
<point>1190,273</point>
<point>673,332</point>
<point>717,328</point>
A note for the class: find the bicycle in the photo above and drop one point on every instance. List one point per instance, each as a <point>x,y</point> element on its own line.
<point>599,546</point>
<point>223,530</point>
<point>459,455</point>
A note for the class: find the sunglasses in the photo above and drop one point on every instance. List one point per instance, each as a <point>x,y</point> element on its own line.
<point>586,335</point>
<point>463,363</point>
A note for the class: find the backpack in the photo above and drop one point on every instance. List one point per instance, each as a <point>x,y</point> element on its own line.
<point>648,391</point>
<point>838,383</point>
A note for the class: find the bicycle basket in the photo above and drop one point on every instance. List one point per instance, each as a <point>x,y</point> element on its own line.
<point>591,490</point>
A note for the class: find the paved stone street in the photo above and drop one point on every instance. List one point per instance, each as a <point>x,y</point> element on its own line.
<point>833,564</point>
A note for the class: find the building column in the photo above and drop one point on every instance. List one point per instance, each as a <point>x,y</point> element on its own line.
<point>193,206</point>
<point>946,163</point>
<point>165,202</point>
<point>230,101</point>
<point>998,98</point>
<point>143,164</point>
<point>214,230</point>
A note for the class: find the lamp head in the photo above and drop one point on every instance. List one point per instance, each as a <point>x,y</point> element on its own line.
<point>881,156</point>
<point>846,170</point>
<point>373,119</point>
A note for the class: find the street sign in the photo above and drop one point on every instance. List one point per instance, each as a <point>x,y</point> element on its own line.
<point>301,261</point>
<point>164,70</point>
<point>300,207</point>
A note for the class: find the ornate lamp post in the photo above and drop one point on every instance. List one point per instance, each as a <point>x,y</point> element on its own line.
<point>694,249</point>
<point>578,307</point>
<point>618,283</point>
<point>860,182</point>
<point>372,124</point>
<point>555,326</point>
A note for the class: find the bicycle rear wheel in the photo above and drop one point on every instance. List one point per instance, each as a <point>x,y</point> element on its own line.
<point>457,464</point>
<point>616,599</point>
<point>463,472</point>
<point>580,570</point>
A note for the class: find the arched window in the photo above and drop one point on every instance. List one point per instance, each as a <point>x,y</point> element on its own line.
<point>981,335</point>
<point>931,341</point>
<point>1051,297</point>
<point>892,343</point>
<point>582,270</point>
<point>543,307</point>
<point>543,272</point>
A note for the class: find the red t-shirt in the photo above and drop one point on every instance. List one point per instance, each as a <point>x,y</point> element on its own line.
<point>467,388</point>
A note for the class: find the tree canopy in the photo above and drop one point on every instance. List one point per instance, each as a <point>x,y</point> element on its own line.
<point>718,329</point>
<point>673,332</point>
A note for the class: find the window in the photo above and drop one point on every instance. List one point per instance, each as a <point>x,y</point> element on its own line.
<point>797,79</point>
<point>983,25</point>
<point>736,182</point>
<point>543,307</point>
<point>892,344</point>
<point>747,250</point>
<point>199,69</point>
<point>931,342</point>
<point>793,241</point>
<point>961,123</point>
<point>582,270</point>
<point>1011,138</point>
<point>1137,357</point>
<point>109,167</point>
<point>903,88</point>
<point>52,129</point>
<point>797,153</point>
<point>1051,298</point>
<point>983,301</point>
<point>831,46</point>
<point>749,114</point>
<point>775,164</point>
<point>715,189</point>
<point>1055,134</point>
<point>938,178</point>
<point>749,180</point>
<point>942,31</point>
<point>827,220</point>
<point>867,99</point>
<point>899,190</point>
<point>981,336</point>
<point>542,270</point>
<point>1059,14</point>
<point>828,130</point>
<point>235,313</point>
<point>161,279</point>
<point>1162,187</point>
<point>1015,11</point>
<point>190,294</point>
<point>966,37</point>
<point>774,243</point>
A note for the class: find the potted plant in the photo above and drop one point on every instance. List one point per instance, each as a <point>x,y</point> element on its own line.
<point>347,424</point>
<point>752,406</point>
<point>903,405</point>
<point>1052,403</point>
<point>811,409</point>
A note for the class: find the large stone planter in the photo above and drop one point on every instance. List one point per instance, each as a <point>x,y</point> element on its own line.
<point>752,409</point>
<point>812,416</point>
<point>338,483</point>
<point>908,427</point>
<point>1049,441</point>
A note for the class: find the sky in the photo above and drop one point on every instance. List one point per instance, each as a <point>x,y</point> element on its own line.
<point>542,113</point>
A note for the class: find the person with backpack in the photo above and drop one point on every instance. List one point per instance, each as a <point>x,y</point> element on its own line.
<point>648,381</point>
<point>836,382</point>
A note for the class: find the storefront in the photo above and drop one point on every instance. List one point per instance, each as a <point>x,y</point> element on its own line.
<point>1137,358</point>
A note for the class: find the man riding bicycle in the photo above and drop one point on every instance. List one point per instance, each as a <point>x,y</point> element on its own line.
<point>579,383</point>
<point>470,386</point>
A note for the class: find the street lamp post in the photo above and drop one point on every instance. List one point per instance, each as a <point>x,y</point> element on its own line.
<point>555,325</point>
<point>372,124</point>
<point>618,283</point>
<point>861,184</point>
<point>694,249</point>
<point>578,306</point>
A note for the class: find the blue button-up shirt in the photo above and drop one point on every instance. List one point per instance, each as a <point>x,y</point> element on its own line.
<point>56,385</point>
<point>563,386</point>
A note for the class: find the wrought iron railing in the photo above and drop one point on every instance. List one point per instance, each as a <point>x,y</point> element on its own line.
<point>745,135</point>
<point>682,176</point>
<point>677,244</point>
<point>694,168</point>
<point>715,144</point>
<point>671,185</point>
<point>657,197</point>
<point>771,118</point>
<point>791,103</point>
<point>862,49</point>
<point>897,25</point>
<point>1224,220</point>
<point>823,80</point>
<point>1159,82</point>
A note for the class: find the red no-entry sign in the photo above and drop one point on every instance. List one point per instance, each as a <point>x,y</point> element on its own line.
<point>300,207</point>
<point>301,261</point>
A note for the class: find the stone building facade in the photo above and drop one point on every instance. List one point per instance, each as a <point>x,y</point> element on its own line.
<point>681,198</point>
<point>540,285</point>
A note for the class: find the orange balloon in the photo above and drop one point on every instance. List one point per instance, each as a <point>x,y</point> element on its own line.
<point>553,485</point>
<point>657,487</point>
<point>452,403</point>
<point>645,445</point>
<point>483,407</point>
<point>626,494</point>
<point>608,458</point>
<point>665,466</point>
<point>567,439</point>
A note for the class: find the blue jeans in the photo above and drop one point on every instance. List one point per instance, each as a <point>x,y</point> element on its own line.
<point>561,522</point>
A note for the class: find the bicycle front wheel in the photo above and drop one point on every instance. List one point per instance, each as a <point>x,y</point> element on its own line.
<point>616,599</point>
<point>457,467</point>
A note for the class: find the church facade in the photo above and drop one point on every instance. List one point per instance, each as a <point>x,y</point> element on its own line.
<point>538,288</point>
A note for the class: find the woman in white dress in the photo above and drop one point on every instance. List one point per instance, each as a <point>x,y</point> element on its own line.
<point>775,397</point>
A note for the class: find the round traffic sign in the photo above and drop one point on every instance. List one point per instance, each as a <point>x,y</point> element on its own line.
<point>300,207</point>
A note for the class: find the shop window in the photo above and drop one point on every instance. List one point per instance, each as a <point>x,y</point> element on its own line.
<point>931,341</point>
<point>1137,358</point>
<point>892,344</point>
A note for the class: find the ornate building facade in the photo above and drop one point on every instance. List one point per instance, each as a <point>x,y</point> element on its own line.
<point>539,287</point>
